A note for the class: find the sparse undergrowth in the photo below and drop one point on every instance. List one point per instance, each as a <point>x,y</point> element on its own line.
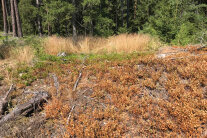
<point>135,97</point>
<point>119,95</point>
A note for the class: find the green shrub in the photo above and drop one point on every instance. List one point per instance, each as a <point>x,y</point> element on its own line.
<point>186,34</point>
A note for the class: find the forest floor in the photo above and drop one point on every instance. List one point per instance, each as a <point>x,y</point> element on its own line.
<point>159,94</point>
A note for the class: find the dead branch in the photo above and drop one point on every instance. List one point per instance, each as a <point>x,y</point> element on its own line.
<point>34,93</point>
<point>70,114</point>
<point>77,81</point>
<point>8,92</point>
<point>75,87</point>
<point>26,107</point>
<point>56,83</point>
<point>79,76</point>
<point>4,100</point>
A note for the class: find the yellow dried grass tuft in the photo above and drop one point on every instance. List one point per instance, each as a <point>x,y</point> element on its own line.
<point>22,54</point>
<point>124,43</point>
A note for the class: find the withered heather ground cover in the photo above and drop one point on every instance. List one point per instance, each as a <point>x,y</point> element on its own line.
<point>143,97</point>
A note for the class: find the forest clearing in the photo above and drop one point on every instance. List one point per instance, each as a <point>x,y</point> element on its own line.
<point>101,68</point>
<point>159,93</point>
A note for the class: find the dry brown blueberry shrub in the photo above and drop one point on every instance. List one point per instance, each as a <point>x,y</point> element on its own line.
<point>138,97</point>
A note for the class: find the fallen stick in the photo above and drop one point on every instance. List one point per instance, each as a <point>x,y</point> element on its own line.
<point>75,87</point>
<point>77,81</point>
<point>4,100</point>
<point>79,76</point>
<point>56,83</point>
<point>26,107</point>
<point>70,114</point>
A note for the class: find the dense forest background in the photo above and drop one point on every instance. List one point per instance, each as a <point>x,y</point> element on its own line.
<point>173,21</point>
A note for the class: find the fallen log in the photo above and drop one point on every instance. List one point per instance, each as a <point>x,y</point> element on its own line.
<point>27,107</point>
<point>4,100</point>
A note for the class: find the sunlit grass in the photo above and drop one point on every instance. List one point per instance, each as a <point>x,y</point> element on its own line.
<point>124,43</point>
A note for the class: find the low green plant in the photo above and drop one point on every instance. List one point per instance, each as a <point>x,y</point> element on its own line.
<point>1,78</point>
<point>25,74</point>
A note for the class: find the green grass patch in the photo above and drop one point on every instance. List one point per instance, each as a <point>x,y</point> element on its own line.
<point>1,78</point>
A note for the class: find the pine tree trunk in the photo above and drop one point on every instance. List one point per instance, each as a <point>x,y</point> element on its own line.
<point>91,30</point>
<point>116,20</point>
<point>135,8</point>
<point>13,19</point>
<point>127,14</point>
<point>48,24</point>
<point>74,30</point>
<point>19,27</point>
<point>8,21</point>
<point>74,24</point>
<point>4,16</point>
<point>122,13</point>
<point>39,22</point>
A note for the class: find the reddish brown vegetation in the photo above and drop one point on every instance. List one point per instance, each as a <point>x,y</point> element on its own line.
<point>138,97</point>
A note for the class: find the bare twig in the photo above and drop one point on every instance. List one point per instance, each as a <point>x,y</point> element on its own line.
<point>8,92</point>
<point>70,114</point>
<point>4,101</point>
<point>56,83</point>
<point>75,87</point>
<point>79,76</point>
<point>77,81</point>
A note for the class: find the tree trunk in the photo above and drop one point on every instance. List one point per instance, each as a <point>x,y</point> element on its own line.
<point>48,23</point>
<point>39,22</point>
<point>127,14</point>
<point>19,27</point>
<point>135,8</point>
<point>91,28</point>
<point>74,24</point>
<point>116,20</point>
<point>122,13</point>
<point>4,16</point>
<point>8,21</point>
<point>13,19</point>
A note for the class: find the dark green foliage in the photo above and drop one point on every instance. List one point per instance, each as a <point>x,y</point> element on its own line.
<point>28,14</point>
<point>173,21</point>
<point>177,22</point>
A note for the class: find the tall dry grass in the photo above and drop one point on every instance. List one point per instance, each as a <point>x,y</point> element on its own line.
<point>13,57</point>
<point>124,43</point>
<point>22,54</point>
<point>53,45</point>
<point>17,55</point>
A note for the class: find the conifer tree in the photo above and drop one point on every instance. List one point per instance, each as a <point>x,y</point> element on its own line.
<point>19,26</point>
<point>13,18</point>
<point>173,21</point>
<point>4,16</point>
